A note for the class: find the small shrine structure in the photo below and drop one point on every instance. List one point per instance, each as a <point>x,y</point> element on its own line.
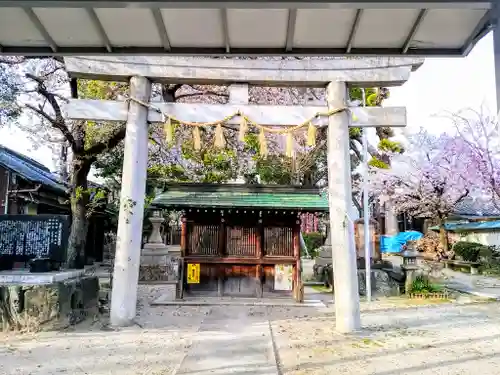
<point>240,240</point>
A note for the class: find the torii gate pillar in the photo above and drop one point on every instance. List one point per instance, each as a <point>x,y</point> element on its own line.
<point>347,315</point>
<point>128,239</point>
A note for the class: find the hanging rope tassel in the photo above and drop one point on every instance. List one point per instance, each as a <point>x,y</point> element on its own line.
<point>168,130</point>
<point>289,145</point>
<point>263,144</point>
<point>196,138</point>
<point>311,135</point>
<point>220,142</point>
<point>243,129</point>
<point>354,117</point>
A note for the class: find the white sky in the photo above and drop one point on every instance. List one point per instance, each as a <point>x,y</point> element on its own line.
<point>441,84</point>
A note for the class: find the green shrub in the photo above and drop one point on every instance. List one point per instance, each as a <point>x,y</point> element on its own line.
<point>491,268</point>
<point>313,241</point>
<point>469,251</point>
<point>422,285</point>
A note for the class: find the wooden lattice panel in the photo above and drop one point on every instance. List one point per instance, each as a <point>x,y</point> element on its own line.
<point>241,241</point>
<point>278,241</point>
<point>203,239</point>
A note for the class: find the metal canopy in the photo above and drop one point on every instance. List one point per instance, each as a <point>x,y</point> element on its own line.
<point>424,28</point>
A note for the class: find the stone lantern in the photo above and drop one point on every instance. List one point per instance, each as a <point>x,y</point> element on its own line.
<point>155,241</point>
<point>410,258</point>
<point>158,264</point>
<point>409,266</point>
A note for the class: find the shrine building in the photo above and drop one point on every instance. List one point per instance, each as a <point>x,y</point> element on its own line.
<point>240,240</point>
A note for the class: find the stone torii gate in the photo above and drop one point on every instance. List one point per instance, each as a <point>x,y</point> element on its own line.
<point>334,75</point>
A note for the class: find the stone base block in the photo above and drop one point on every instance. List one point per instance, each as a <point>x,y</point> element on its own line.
<point>153,260</point>
<point>166,290</point>
<point>155,273</point>
<point>166,270</point>
<point>48,306</point>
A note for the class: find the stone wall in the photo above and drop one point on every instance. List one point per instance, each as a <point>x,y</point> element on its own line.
<point>382,284</point>
<point>48,306</point>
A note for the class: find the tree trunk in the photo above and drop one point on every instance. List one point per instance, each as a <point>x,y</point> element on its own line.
<point>443,236</point>
<point>79,222</point>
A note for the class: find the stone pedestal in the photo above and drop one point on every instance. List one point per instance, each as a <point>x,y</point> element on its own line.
<point>323,259</point>
<point>410,275</point>
<point>325,253</point>
<point>159,262</point>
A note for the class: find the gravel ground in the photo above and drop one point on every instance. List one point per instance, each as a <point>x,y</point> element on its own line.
<point>155,346</point>
<point>440,339</point>
<point>443,339</point>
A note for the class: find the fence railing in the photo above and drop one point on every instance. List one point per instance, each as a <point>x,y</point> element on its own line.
<point>172,235</point>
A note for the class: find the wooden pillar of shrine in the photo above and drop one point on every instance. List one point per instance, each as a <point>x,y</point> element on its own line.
<point>298,291</point>
<point>259,271</point>
<point>183,236</point>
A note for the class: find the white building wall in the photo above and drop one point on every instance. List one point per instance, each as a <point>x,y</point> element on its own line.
<point>483,237</point>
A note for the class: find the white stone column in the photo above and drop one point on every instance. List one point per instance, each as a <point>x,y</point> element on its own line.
<point>345,278</point>
<point>391,219</point>
<point>128,243</point>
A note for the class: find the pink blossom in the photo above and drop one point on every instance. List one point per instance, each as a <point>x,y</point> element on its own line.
<point>430,178</point>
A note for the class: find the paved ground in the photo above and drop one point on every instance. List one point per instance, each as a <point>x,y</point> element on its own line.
<point>478,285</point>
<point>484,286</point>
<point>264,340</point>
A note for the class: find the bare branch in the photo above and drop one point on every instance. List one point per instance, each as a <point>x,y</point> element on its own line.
<point>108,144</point>
<point>45,115</point>
<point>58,122</point>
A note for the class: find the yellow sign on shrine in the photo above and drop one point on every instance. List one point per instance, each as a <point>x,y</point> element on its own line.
<point>193,273</point>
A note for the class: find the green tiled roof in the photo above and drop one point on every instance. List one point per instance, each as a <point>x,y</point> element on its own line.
<point>250,196</point>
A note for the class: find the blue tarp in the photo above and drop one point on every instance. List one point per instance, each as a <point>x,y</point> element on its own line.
<point>393,244</point>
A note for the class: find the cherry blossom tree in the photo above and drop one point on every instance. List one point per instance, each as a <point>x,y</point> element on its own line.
<point>35,89</point>
<point>429,179</point>
<point>479,134</point>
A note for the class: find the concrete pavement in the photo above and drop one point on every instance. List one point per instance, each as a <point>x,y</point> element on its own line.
<point>478,285</point>
<point>232,340</point>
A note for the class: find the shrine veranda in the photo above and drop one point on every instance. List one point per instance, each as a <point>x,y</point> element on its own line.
<point>334,75</point>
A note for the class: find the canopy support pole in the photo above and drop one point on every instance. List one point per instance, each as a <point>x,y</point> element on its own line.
<point>496,53</point>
